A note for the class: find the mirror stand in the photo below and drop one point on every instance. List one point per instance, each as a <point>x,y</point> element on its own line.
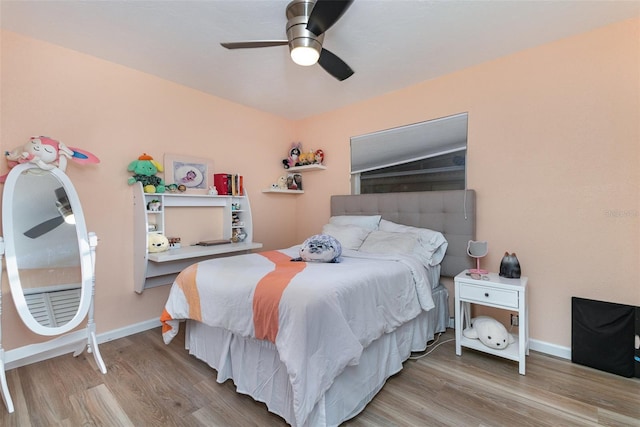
<point>77,341</point>
<point>4,389</point>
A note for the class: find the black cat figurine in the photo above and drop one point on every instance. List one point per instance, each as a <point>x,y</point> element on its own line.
<point>509,266</point>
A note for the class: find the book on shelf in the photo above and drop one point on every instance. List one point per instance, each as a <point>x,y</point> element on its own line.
<point>221,181</point>
<point>229,184</point>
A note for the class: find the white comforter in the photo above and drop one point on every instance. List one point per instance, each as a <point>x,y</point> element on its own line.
<point>328,313</point>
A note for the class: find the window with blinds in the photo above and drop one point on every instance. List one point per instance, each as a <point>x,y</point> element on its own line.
<point>425,156</point>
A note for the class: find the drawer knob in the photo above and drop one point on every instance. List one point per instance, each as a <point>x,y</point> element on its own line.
<point>486,294</point>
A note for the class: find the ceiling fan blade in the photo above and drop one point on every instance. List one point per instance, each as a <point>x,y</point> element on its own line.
<point>325,13</point>
<point>334,65</point>
<point>254,44</point>
<point>44,227</point>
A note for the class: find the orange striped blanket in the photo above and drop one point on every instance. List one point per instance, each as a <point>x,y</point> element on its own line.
<point>266,297</point>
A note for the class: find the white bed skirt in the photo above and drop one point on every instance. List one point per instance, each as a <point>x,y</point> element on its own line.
<point>256,370</point>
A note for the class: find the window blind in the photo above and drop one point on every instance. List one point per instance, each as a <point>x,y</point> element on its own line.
<point>408,143</point>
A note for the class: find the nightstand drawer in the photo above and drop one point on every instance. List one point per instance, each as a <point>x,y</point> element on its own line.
<point>489,295</point>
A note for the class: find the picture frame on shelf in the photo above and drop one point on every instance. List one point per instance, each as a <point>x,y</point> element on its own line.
<point>294,181</point>
<point>193,172</point>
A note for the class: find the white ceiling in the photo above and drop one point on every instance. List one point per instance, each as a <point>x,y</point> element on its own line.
<point>390,44</point>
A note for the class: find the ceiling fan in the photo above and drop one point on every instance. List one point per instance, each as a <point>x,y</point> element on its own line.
<point>307,21</point>
<point>65,215</point>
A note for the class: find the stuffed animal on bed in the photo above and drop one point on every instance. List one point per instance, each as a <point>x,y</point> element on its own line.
<point>158,243</point>
<point>320,248</point>
<point>490,332</point>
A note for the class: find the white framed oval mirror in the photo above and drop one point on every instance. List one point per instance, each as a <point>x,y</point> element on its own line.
<point>47,250</point>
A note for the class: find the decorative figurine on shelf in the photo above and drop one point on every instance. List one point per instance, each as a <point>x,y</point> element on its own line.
<point>154,205</point>
<point>145,170</point>
<point>291,185</point>
<point>235,220</point>
<point>477,250</point>
<point>510,266</point>
<point>306,158</point>
<point>282,182</point>
<point>213,191</point>
<point>174,242</point>
<point>299,158</point>
<point>238,235</point>
<point>47,153</point>
<point>294,154</point>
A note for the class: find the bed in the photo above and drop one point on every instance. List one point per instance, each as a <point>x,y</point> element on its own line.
<point>340,330</point>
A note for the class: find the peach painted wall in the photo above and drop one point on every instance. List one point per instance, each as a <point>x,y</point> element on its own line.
<point>553,153</point>
<point>117,113</point>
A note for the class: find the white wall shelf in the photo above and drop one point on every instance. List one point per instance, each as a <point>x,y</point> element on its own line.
<point>161,268</point>
<point>305,168</point>
<point>282,191</point>
<point>293,169</point>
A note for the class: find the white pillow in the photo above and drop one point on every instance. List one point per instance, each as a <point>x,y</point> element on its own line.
<point>349,236</point>
<point>432,244</point>
<point>370,222</point>
<point>387,242</point>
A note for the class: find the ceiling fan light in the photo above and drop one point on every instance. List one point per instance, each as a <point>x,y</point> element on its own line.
<point>304,55</point>
<point>64,208</point>
<point>70,219</point>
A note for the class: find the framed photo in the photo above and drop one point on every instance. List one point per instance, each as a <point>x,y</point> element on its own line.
<point>192,172</point>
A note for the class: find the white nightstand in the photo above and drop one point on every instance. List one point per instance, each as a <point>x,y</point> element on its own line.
<point>493,291</point>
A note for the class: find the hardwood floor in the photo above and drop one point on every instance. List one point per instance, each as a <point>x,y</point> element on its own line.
<point>151,384</point>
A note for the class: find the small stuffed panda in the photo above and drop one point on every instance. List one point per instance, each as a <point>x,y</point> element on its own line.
<point>490,332</point>
<point>320,248</point>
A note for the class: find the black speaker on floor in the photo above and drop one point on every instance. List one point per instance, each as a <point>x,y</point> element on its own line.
<point>637,342</point>
<point>603,334</point>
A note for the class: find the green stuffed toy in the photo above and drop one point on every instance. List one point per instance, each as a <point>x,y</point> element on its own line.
<point>145,170</point>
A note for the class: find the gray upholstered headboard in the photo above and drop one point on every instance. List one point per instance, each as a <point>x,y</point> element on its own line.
<point>453,213</point>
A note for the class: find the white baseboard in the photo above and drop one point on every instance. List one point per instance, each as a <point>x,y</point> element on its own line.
<point>69,343</point>
<point>537,345</point>
<point>128,330</point>
<point>550,349</point>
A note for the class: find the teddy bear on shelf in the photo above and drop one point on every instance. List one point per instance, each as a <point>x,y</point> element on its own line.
<point>490,332</point>
<point>145,170</point>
